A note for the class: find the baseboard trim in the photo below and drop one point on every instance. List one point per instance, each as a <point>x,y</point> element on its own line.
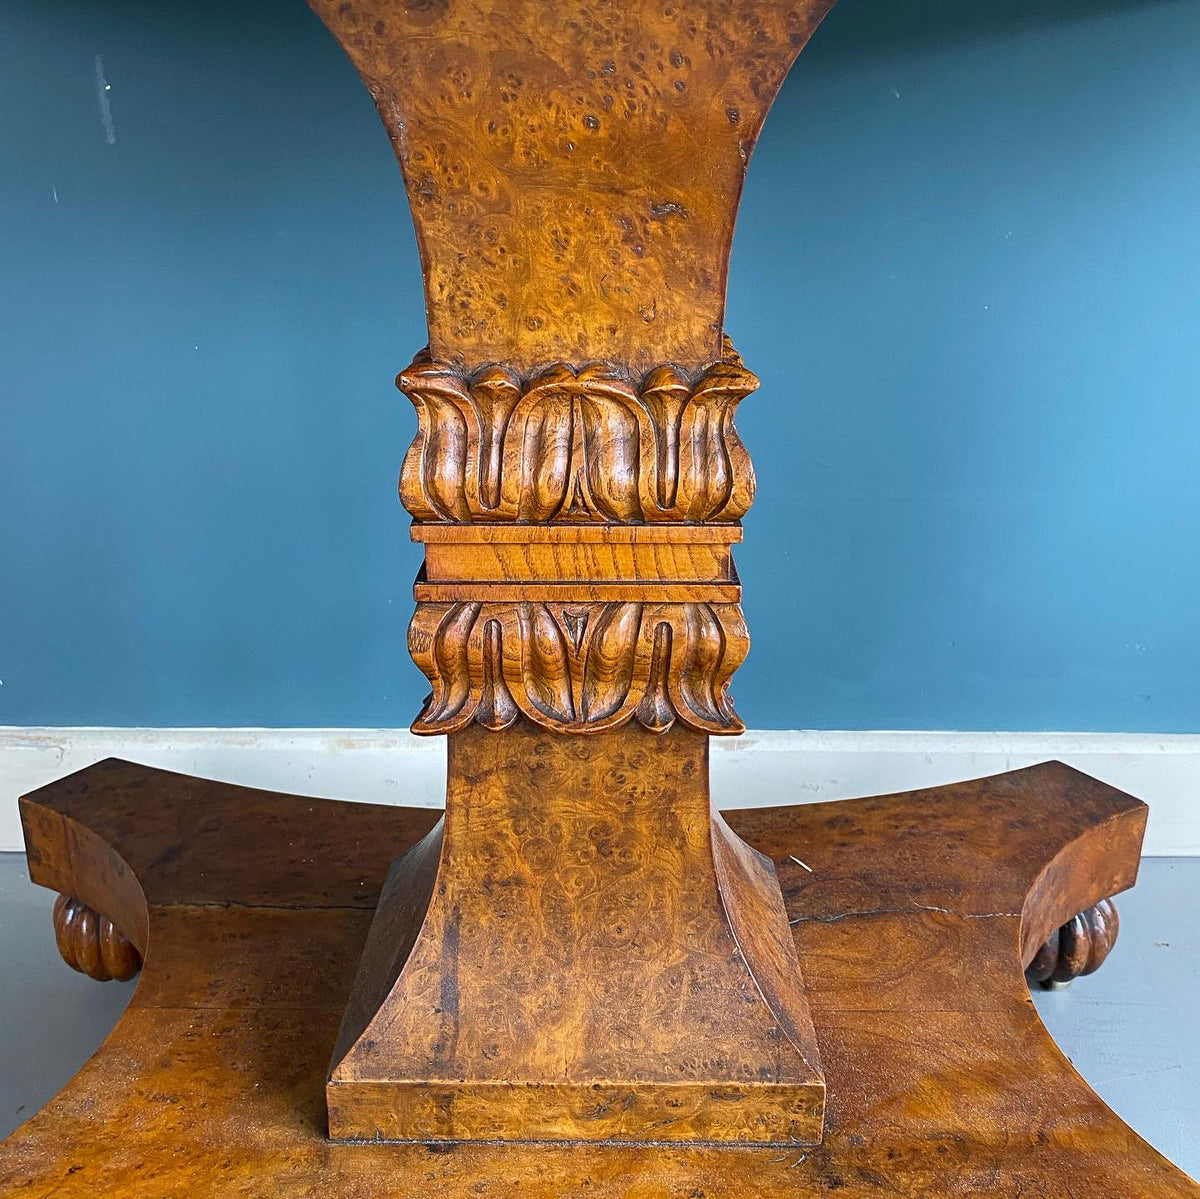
<point>761,768</point>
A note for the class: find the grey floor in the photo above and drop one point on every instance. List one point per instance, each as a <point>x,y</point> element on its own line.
<point>1132,1030</point>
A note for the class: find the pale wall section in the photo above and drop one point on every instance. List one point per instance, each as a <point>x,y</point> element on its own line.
<point>759,769</point>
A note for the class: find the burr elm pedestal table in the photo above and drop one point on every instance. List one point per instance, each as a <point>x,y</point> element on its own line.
<point>579,981</point>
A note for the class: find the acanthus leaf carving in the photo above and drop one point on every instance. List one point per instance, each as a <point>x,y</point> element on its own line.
<point>580,444</point>
<point>594,667</point>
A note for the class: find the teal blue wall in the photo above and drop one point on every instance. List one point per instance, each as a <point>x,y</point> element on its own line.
<point>967,270</point>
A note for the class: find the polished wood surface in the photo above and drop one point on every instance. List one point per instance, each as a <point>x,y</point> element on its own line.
<point>907,913</point>
<point>597,957</point>
<point>574,171</point>
<point>579,562</point>
<point>583,952</point>
<point>573,167</point>
<point>582,982</point>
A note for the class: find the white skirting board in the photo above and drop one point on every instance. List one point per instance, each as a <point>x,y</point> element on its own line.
<point>760,768</point>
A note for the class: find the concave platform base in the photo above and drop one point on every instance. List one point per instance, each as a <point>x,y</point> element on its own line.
<point>912,923</point>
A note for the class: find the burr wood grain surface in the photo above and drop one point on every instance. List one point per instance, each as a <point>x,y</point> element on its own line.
<point>573,168</point>
<point>906,913</point>
<point>595,945</point>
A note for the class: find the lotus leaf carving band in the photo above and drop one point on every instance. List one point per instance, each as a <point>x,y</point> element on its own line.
<point>577,445</point>
<point>579,667</point>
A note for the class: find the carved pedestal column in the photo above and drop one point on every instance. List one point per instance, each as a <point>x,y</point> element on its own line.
<point>581,951</point>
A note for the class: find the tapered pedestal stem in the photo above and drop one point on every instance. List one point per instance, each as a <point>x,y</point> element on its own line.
<point>582,950</point>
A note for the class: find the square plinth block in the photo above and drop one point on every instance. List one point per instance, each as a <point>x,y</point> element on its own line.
<point>580,951</point>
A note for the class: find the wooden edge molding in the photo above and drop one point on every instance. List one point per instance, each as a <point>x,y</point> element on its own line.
<point>578,667</point>
<point>575,591</point>
<point>536,562</point>
<point>573,536</point>
<point>578,444</point>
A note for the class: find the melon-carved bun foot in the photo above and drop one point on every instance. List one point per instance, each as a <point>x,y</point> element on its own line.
<point>91,944</point>
<point>1076,948</point>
